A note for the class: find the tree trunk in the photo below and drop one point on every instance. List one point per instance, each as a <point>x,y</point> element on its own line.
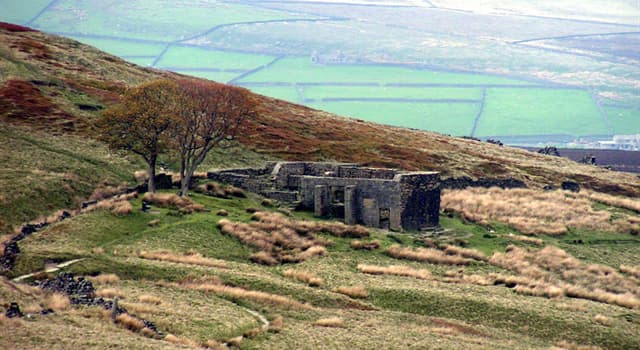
<point>152,173</point>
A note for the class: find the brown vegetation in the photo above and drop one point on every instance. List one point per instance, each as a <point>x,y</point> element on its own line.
<point>631,270</point>
<point>352,291</point>
<point>330,322</point>
<point>552,272</point>
<point>110,293</point>
<point>283,240</point>
<point>217,190</point>
<point>150,299</point>
<point>364,245</point>
<point>170,200</point>
<point>191,258</point>
<point>395,270</point>
<point>530,211</point>
<point>616,201</point>
<point>218,288</point>
<point>108,278</point>
<point>276,324</point>
<point>304,276</point>
<point>433,256</point>
<point>525,239</point>
<point>58,302</point>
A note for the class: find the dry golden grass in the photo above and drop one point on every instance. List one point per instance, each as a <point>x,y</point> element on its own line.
<point>276,324</point>
<point>458,276</point>
<point>215,345</point>
<point>154,222</point>
<point>182,341</point>
<point>603,320</point>
<point>330,322</point>
<point>241,293</point>
<point>279,239</point>
<point>110,293</point>
<point>552,272</point>
<point>464,252</point>
<point>58,302</point>
<point>525,239</point>
<point>364,245</point>
<point>217,190</point>
<point>122,208</point>
<point>235,341</point>
<point>352,291</point>
<point>108,278</point>
<point>141,176</point>
<point>171,200</point>
<point>132,323</point>
<point>304,276</point>
<point>616,201</point>
<point>530,211</point>
<point>631,270</point>
<point>150,299</point>
<point>426,254</point>
<point>191,258</point>
<point>138,308</point>
<point>395,270</point>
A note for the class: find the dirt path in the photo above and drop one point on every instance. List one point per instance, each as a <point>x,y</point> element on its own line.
<point>259,316</point>
<point>52,269</point>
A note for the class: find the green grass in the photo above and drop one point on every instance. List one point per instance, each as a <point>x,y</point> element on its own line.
<point>319,92</point>
<point>540,112</point>
<point>447,118</point>
<point>148,19</point>
<point>194,58</point>
<point>490,317</point>
<point>302,70</point>
<point>624,121</point>
<point>20,12</point>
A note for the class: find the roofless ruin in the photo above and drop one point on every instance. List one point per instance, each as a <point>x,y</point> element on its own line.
<point>375,197</point>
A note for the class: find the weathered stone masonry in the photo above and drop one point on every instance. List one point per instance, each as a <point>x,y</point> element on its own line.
<point>385,198</point>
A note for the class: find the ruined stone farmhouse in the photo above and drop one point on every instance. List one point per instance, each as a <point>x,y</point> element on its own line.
<point>375,197</point>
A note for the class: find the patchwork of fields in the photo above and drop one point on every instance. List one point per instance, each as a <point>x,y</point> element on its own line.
<point>524,78</point>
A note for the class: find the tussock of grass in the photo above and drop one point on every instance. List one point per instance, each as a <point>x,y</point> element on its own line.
<point>241,293</point>
<point>58,302</point>
<point>275,326</point>
<point>217,190</point>
<point>122,208</point>
<point>458,276</point>
<point>118,205</point>
<point>154,222</point>
<point>464,252</point>
<point>530,211</point>
<point>364,245</point>
<point>352,291</point>
<point>132,323</point>
<point>280,239</point>
<point>433,256</point>
<point>171,200</point>
<point>191,258</point>
<point>150,299</point>
<point>603,320</point>
<point>616,201</point>
<point>304,276</point>
<point>138,308</point>
<point>631,270</point>
<point>141,176</point>
<point>395,270</point>
<point>110,293</point>
<point>525,239</point>
<point>552,272</point>
<point>103,192</point>
<point>103,278</point>
<point>182,341</point>
<point>330,322</point>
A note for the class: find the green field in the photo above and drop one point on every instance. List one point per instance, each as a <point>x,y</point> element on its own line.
<point>540,112</point>
<point>624,121</point>
<point>320,92</point>
<point>193,57</point>
<point>425,116</point>
<point>148,19</point>
<point>302,70</point>
<point>431,61</point>
<point>15,11</point>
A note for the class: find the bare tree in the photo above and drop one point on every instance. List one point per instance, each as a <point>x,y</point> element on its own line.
<point>209,116</point>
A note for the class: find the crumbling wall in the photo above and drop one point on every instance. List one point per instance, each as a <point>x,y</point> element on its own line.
<point>419,200</point>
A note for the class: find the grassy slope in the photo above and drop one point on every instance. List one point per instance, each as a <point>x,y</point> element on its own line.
<point>429,313</point>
